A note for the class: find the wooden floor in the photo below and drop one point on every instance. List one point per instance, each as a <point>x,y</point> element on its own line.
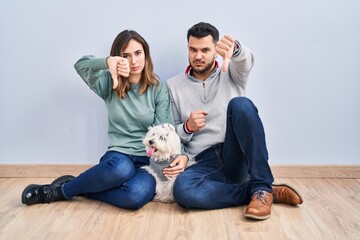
<point>331,210</point>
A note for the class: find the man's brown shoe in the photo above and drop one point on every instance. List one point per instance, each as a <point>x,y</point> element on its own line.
<point>260,206</point>
<point>283,193</point>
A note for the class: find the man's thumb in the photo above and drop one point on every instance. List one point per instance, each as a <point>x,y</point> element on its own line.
<point>225,65</point>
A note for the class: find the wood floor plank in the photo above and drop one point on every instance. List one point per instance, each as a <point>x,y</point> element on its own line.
<point>279,171</point>
<point>331,210</point>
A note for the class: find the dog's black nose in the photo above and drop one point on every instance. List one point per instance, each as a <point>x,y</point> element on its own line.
<point>151,142</point>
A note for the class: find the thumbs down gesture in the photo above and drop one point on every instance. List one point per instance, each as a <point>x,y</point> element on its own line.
<point>225,48</point>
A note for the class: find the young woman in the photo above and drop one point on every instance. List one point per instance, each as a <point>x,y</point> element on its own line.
<point>135,99</point>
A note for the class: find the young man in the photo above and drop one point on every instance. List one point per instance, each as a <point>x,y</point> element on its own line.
<point>221,128</point>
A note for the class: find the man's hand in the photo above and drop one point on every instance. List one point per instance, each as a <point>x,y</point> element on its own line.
<point>118,66</point>
<point>225,48</point>
<point>176,167</point>
<point>196,120</point>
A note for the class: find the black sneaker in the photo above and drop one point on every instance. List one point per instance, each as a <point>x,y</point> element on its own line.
<point>35,193</point>
<point>61,180</point>
<point>64,179</point>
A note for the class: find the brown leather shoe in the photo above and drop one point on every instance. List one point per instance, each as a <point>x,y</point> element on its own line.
<point>260,206</point>
<point>283,193</point>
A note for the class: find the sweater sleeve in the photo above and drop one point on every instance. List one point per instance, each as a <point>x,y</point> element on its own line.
<point>163,112</point>
<point>179,125</point>
<point>95,74</point>
<point>162,106</point>
<point>241,65</point>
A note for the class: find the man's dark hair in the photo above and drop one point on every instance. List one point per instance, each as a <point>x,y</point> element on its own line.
<point>203,29</point>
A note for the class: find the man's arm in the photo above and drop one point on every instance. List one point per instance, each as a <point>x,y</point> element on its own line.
<point>241,64</point>
<point>237,58</point>
<point>179,125</point>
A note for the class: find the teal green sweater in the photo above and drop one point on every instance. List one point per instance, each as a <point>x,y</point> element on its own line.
<point>128,118</point>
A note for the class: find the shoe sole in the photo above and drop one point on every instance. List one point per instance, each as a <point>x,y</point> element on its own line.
<point>287,185</point>
<point>257,217</point>
<point>23,195</point>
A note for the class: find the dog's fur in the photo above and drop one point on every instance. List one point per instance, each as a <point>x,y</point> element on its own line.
<point>162,146</point>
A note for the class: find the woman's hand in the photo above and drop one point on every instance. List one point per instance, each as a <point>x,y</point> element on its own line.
<point>176,167</point>
<point>118,66</point>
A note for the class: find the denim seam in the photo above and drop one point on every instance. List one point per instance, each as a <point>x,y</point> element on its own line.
<point>218,170</point>
<point>63,193</point>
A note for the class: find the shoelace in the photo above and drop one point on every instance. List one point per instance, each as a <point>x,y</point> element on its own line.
<point>261,196</point>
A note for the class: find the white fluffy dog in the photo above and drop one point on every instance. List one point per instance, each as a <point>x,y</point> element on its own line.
<point>162,146</point>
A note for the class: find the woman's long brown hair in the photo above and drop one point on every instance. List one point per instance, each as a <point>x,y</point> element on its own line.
<point>148,77</point>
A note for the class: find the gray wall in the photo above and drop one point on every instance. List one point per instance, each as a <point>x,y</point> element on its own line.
<point>305,81</point>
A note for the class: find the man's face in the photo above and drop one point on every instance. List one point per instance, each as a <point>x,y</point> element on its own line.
<point>202,55</point>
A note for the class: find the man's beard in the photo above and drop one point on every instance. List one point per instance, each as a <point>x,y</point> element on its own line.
<point>207,68</point>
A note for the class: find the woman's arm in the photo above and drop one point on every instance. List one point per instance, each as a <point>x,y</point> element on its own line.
<point>163,112</point>
<point>95,74</point>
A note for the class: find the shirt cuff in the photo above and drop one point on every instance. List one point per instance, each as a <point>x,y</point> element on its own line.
<point>237,48</point>
<point>186,128</point>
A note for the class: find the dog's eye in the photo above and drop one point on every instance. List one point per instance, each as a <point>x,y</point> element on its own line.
<point>162,138</point>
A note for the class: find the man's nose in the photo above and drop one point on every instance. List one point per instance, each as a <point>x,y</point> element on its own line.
<point>198,55</point>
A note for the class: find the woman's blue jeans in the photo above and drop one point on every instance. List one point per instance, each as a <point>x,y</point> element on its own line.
<point>117,180</point>
<point>228,174</point>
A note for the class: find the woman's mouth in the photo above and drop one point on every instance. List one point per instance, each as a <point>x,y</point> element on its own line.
<point>134,69</point>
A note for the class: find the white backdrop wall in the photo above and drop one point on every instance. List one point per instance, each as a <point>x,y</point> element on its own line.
<point>305,81</point>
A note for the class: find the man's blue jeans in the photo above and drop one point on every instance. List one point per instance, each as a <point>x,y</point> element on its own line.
<point>117,180</point>
<point>228,174</point>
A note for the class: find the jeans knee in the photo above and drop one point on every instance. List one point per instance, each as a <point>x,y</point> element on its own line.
<point>184,195</point>
<point>137,201</point>
<point>141,193</point>
<point>119,169</point>
<point>241,106</point>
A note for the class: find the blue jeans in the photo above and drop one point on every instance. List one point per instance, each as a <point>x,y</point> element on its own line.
<point>117,180</point>
<point>229,174</point>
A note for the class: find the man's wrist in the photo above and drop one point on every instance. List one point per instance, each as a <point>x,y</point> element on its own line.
<point>187,157</point>
<point>186,127</point>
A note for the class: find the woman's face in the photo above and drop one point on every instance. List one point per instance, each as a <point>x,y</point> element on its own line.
<point>135,54</point>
